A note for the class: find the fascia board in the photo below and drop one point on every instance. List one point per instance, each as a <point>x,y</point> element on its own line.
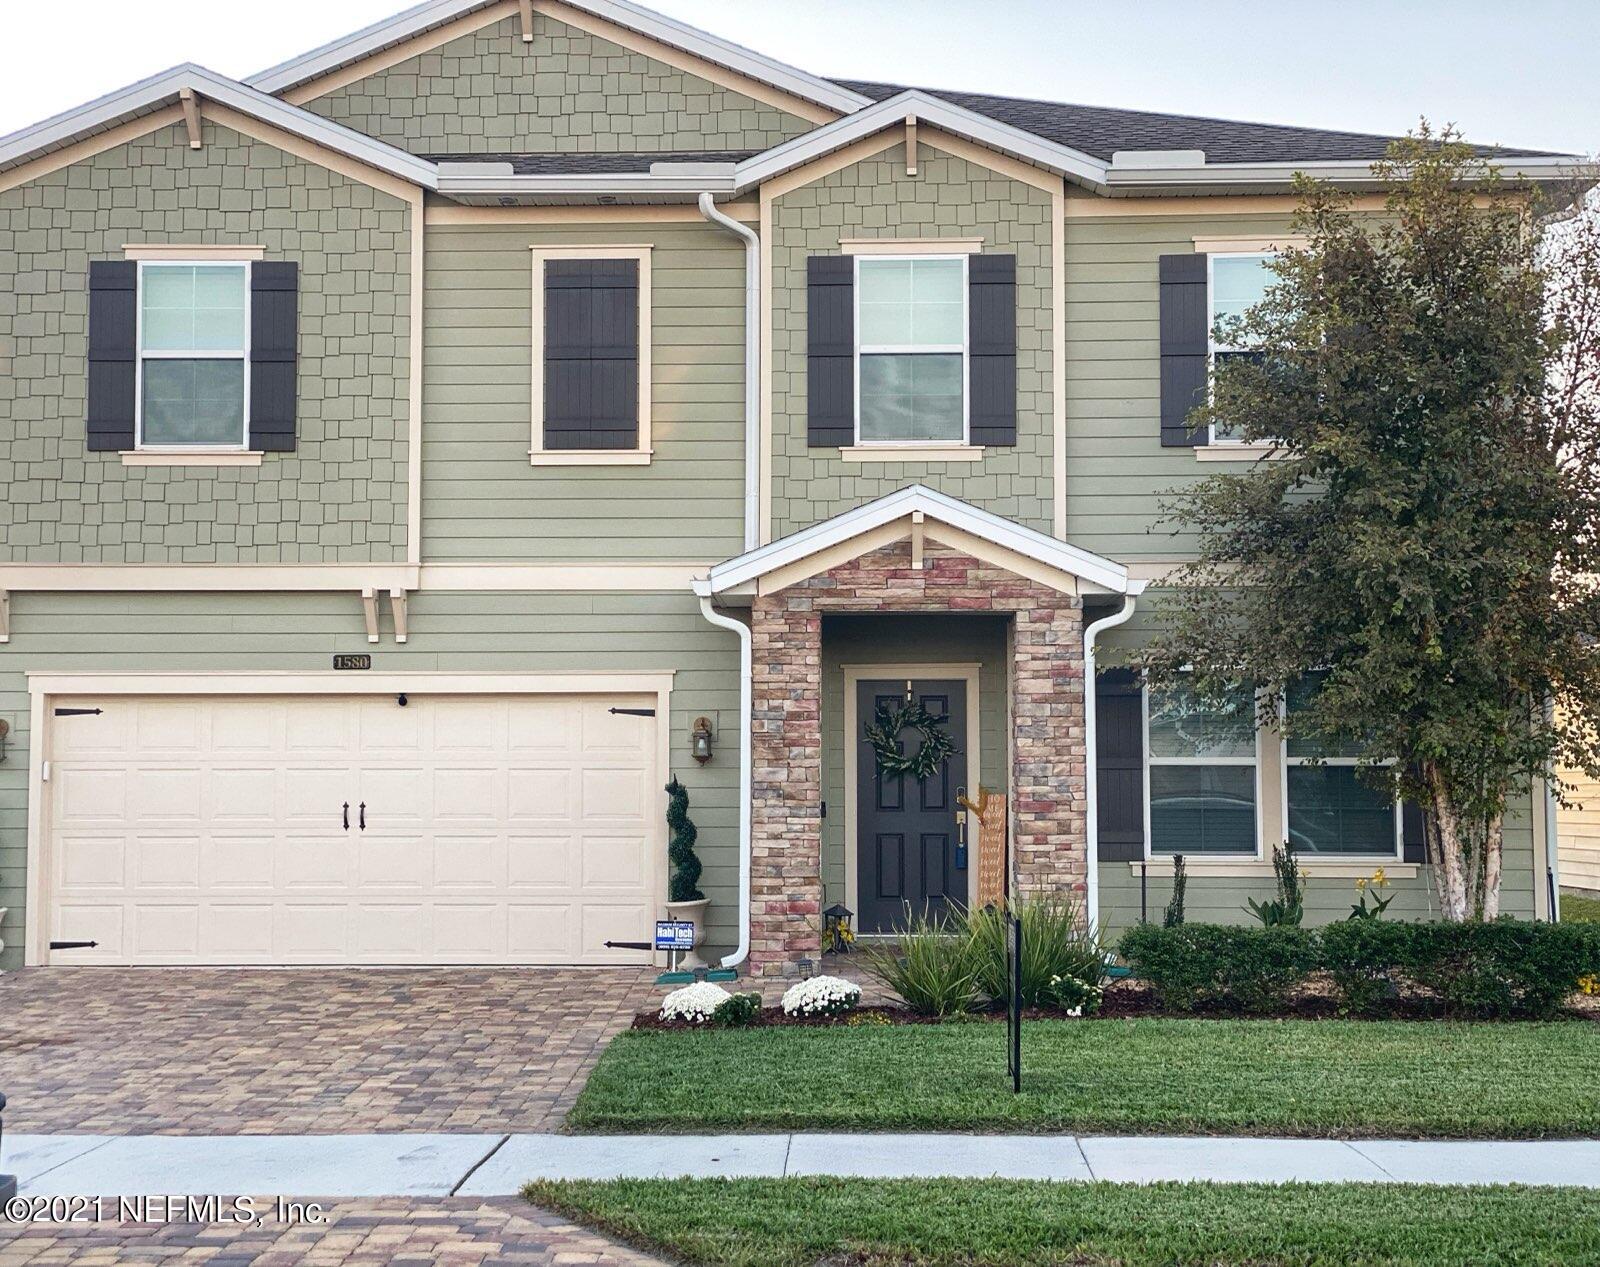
<point>578,185</point>
<point>1233,176</point>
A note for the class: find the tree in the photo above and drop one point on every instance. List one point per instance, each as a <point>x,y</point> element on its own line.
<point>684,883</point>
<point>1428,533</point>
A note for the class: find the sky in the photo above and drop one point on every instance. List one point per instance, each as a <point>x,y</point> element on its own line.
<point>1519,73</point>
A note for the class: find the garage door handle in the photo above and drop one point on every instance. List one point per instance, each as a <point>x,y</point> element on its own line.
<point>363,816</point>
<point>347,815</point>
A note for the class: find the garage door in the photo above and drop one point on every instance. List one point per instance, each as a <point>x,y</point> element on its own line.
<point>330,830</point>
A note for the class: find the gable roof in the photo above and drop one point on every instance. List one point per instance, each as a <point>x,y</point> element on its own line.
<point>937,508</point>
<point>159,91</point>
<point>435,13</point>
<point>1102,131</point>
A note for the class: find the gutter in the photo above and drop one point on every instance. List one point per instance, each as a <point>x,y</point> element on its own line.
<point>702,590</point>
<point>752,365</point>
<point>1091,779</point>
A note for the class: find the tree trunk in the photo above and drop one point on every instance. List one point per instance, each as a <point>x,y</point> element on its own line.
<point>1449,863</point>
<point>1493,840</point>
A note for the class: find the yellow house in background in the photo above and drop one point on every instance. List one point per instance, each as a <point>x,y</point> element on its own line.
<point>1578,830</point>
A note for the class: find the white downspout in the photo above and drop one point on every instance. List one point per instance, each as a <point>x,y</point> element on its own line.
<point>752,363</point>
<point>703,590</point>
<point>1091,778</point>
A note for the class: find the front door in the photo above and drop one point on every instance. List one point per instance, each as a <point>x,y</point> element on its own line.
<point>906,830</point>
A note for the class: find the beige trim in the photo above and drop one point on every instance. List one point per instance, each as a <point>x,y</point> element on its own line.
<point>1010,560</point>
<point>1248,869</point>
<point>191,117</point>
<point>538,454</point>
<point>918,534</point>
<point>5,615</point>
<point>1058,362</point>
<point>994,160</point>
<point>194,578</point>
<point>912,453</point>
<point>398,609</point>
<point>911,145</point>
<point>188,457</point>
<point>853,674</point>
<point>821,168</point>
<point>43,688</point>
<point>833,556</point>
<point>1243,246</point>
<point>525,12</point>
<point>419,263</point>
<point>620,35</point>
<point>180,251</point>
<point>764,492</point>
<point>90,146</point>
<point>1240,453</point>
<point>591,457</point>
<point>911,246</point>
<point>442,214</point>
<point>369,613</point>
<point>1092,206</point>
<point>311,152</point>
<point>562,577</point>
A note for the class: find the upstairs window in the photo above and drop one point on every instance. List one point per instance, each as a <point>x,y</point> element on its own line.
<point>1237,284</point>
<point>1202,771</point>
<point>911,349</point>
<point>1330,809</point>
<point>194,364</point>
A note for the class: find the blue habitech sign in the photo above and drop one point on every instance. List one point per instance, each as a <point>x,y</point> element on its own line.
<point>674,934</point>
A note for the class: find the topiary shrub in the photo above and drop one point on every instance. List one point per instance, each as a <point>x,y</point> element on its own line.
<point>1193,965</point>
<point>684,885</point>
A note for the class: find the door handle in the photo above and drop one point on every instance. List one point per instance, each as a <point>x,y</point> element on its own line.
<point>363,816</point>
<point>347,815</point>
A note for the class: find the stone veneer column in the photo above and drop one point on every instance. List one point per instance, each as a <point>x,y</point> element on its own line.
<point>1049,818</point>
<point>786,785</point>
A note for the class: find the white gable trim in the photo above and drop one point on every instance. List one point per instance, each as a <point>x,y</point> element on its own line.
<point>863,521</point>
<point>424,17</point>
<point>149,96</point>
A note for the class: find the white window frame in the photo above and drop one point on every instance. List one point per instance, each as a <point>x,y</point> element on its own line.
<point>1286,759</point>
<point>964,349</point>
<point>1212,346</point>
<point>1150,760</point>
<point>140,356</point>
<point>640,455</point>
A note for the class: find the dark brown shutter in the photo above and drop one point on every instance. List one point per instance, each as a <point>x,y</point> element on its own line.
<point>1413,841</point>
<point>113,354</point>
<point>591,354</point>
<point>274,344</point>
<point>1119,765</point>
<point>992,323</point>
<point>830,351</point>
<point>1185,346</point>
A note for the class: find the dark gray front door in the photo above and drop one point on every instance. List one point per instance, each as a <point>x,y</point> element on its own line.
<point>906,839</point>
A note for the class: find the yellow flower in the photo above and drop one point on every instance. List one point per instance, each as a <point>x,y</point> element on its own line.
<point>1589,984</point>
<point>1361,885</point>
<point>1380,878</point>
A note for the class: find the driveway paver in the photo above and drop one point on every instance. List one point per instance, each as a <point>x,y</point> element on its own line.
<point>198,1051</point>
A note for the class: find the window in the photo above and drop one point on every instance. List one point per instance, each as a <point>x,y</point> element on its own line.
<point>194,371</point>
<point>911,349</point>
<point>1329,808</point>
<point>1238,283</point>
<point>1202,772</point>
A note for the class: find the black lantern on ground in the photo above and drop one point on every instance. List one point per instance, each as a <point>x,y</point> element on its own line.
<point>837,935</point>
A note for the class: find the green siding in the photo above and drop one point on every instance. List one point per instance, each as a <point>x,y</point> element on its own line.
<point>1117,472</point>
<point>949,197</point>
<point>341,496</point>
<point>921,639</point>
<point>481,498</point>
<point>483,633</point>
<point>567,92</point>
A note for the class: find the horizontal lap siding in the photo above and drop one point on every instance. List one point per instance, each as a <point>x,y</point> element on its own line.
<point>481,498</point>
<point>485,633</point>
<point>1578,829</point>
<point>1117,472</point>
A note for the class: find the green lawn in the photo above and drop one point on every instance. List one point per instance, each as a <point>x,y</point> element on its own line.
<point>1579,910</point>
<point>1000,1223</point>
<point>1114,1076</point>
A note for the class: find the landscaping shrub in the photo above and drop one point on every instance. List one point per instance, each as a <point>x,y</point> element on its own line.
<point>1192,965</point>
<point>930,967</point>
<point>1288,909</point>
<point>1056,943</point>
<point>1074,997</point>
<point>737,1011</point>
<point>694,1004</point>
<point>821,996</point>
<point>1362,956</point>
<point>1500,969</point>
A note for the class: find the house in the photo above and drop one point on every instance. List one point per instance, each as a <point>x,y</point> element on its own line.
<point>409,451</point>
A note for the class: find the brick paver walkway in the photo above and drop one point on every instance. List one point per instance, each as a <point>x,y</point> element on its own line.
<point>108,1051</point>
<point>463,1232</point>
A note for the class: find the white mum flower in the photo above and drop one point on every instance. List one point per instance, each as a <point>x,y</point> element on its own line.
<point>821,996</point>
<point>694,1003</point>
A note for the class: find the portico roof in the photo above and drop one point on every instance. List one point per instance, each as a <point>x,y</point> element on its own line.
<point>912,511</point>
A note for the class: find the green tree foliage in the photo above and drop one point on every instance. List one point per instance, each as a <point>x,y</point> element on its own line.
<point>685,883</point>
<point>1430,527</point>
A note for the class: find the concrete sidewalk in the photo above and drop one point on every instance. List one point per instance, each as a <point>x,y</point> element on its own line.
<point>337,1166</point>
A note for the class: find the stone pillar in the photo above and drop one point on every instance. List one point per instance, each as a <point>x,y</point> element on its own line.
<point>786,785</point>
<point>1049,805</point>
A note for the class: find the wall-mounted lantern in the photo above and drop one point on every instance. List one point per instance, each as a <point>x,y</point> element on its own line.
<point>700,740</point>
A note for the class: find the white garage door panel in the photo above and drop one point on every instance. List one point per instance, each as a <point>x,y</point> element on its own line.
<point>211,831</point>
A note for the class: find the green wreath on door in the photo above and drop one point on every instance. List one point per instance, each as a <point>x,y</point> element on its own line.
<point>883,733</point>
